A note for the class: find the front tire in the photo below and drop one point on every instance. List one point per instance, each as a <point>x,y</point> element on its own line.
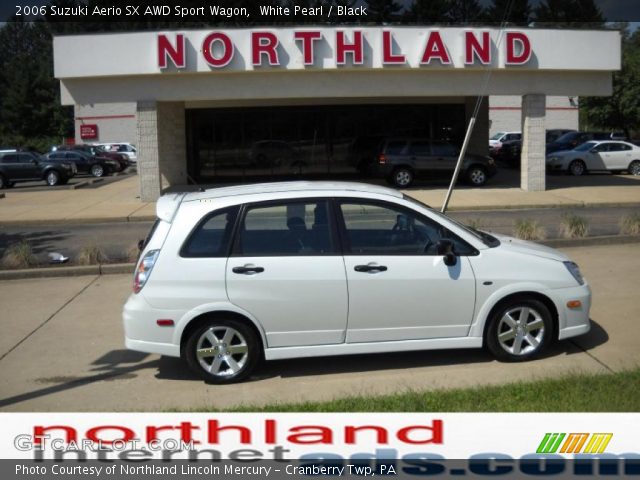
<point>577,168</point>
<point>402,177</point>
<point>476,176</point>
<point>97,170</point>
<point>519,330</point>
<point>634,167</point>
<point>222,351</point>
<point>52,178</point>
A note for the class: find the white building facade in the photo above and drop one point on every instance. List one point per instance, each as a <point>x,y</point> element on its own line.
<point>218,103</point>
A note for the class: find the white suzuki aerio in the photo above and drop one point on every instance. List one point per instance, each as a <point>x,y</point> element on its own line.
<point>234,275</point>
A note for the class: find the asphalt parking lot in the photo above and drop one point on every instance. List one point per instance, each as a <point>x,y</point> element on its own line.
<point>62,350</point>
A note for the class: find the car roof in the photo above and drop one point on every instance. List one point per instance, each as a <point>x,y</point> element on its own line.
<point>296,186</point>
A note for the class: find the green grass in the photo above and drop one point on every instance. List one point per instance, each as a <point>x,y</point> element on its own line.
<point>616,392</point>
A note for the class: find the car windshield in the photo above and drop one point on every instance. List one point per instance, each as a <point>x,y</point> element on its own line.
<point>585,147</point>
<point>497,136</point>
<point>489,240</point>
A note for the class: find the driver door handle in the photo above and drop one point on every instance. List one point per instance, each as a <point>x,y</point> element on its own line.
<point>370,268</point>
<point>247,270</point>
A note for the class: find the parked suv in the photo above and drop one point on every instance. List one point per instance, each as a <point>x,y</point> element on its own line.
<point>401,160</point>
<point>97,151</point>
<point>96,166</point>
<point>232,275</point>
<point>16,166</point>
<point>571,140</point>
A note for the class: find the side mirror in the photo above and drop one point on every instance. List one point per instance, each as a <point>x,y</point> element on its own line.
<point>444,247</point>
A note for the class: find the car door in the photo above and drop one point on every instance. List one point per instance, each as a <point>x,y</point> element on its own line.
<point>618,157</point>
<point>399,288</point>
<point>11,167</point>
<point>81,161</point>
<point>420,157</point>
<point>596,157</point>
<point>286,271</point>
<point>445,155</point>
<point>28,167</point>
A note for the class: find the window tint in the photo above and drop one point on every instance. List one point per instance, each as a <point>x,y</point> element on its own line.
<point>421,148</point>
<point>56,156</point>
<point>292,228</point>
<point>25,158</point>
<point>444,150</point>
<point>212,236</point>
<point>10,158</point>
<point>390,230</point>
<point>618,147</point>
<point>394,148</point>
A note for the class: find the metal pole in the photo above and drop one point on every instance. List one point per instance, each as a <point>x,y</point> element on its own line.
<point>456,172</point>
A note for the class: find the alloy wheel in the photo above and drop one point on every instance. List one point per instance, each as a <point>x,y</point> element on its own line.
<point>477,176</point>
<point>222,351</point>
<point>577,168</point>
<point>521,330</point>
<point>634,168</point>
<point>403,178</point>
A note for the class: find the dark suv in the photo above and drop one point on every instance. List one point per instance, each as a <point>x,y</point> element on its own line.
<point>27,166</point>
<point>96,166</point>
<point>401,160</point>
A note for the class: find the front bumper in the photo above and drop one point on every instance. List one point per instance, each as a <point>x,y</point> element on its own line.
<point>573,321</point>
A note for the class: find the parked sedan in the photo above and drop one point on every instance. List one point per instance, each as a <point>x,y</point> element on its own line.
<point>121,159</point>
<point>400,160</point>
<point>96,166</point>
<point>614,156</point>
<point>234,275</point>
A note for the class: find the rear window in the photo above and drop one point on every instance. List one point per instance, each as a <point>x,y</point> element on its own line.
<point>211,237</point>
<point>394,147</point>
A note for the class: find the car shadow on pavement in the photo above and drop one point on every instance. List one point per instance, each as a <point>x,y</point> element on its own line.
<point>113,365</point>
<point>41,241</point>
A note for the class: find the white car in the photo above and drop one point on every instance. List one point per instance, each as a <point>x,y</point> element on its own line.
<point>232,275</point>
<point>495,142</point>
<point>127,149</point>
<point>615,156</point>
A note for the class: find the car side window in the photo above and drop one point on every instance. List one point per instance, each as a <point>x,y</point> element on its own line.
<point>420,148</point>
<point>394,147</point>
<point>444,150</point>
<point>603,147</point>
<point>285,229</point>
<point>10,158</point>
<point>384,229</point>
<point>212,235</point>
<point>25,158</point>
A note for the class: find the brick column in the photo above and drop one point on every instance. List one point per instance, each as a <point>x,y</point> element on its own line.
<point>532,167</point>
<point>479,141</point>
<point>161,147</point>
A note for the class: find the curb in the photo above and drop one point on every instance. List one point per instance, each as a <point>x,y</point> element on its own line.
<point>120,268</point>
<point>72,271</point>
<point>77,221</point>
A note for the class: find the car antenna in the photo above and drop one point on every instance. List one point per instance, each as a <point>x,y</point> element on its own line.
<point>190,178</point>
<point>476,111</point>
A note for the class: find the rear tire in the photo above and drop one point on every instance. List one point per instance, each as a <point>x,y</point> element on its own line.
<point>634,167</point>
<point>402,177</point>
<point>223,351</point>
<point>520,329</point>
<point>577,168</point>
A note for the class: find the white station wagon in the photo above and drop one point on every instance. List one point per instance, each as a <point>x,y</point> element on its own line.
<point>234,275</point>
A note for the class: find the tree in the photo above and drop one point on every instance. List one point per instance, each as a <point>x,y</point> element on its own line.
<point>514,12</point>
<point>429,11</point>
<point>620,111</point>
<point>382,10</point>
<point>465,11</point>
<point>569,13</point>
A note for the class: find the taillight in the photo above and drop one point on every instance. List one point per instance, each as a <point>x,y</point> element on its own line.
<point>382,159</point>
<point>144,270</point>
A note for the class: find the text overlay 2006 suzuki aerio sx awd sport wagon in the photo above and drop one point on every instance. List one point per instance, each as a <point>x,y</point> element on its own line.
<point>234,275</point>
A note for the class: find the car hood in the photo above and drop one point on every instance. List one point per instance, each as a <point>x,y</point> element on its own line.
<point>529,248</point>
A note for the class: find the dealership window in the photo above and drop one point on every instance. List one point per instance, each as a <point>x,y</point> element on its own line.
<point>307,141</point>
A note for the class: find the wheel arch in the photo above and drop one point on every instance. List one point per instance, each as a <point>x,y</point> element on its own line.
<point>546,300</point>
<point>203,317</point>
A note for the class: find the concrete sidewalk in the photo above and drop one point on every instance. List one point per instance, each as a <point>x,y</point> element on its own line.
<point>119,201</point>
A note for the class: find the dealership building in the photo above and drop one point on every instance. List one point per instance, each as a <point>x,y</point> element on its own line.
<point>243,104</point>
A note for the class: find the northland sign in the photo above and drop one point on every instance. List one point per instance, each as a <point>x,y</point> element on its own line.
<point>218,49</point>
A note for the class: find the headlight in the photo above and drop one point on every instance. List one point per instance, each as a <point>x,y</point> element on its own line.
<point>575,271</point>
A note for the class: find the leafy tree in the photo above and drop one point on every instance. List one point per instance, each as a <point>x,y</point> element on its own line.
<point>569,13</point>
<point>465,11</point>
<point>382,10</point>
<point>429,11</point>
<point>519,12</point>
<point>621,111</point>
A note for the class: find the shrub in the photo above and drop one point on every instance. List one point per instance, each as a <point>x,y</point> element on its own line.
<point>19,255</point>
<point>630,224</point>
<point>527,229</point>
<point>573,226</point>
<point>91,255</point>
